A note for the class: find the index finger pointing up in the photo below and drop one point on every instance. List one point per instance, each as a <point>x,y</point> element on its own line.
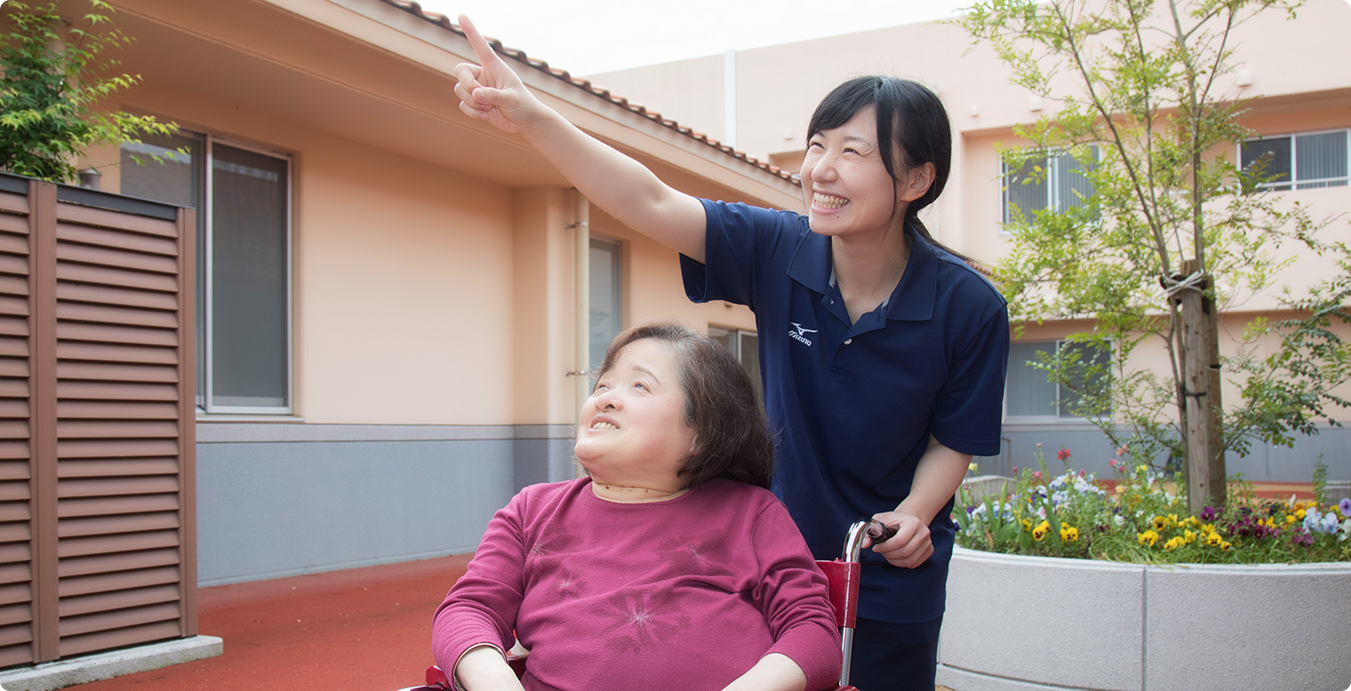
<point>481,48</point>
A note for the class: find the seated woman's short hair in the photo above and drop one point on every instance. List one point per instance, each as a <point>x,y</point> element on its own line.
<point>732,439</point>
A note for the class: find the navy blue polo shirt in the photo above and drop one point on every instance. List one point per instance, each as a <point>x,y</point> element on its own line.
<point>854,404</point>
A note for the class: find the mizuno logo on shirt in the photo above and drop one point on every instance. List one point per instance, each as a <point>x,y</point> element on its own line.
<point>798,335</point>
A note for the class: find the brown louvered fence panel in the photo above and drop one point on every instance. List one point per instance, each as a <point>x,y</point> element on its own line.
<point>97,541</point>
<point>130,336</point>
<point>17,633</point>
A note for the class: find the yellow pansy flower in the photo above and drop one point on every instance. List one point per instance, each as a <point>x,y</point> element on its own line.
<point>1039,532</point>
<point>1148,537</point>
<point>1214,539</point>
<point>1174,543</point>
<point>1068,533</point>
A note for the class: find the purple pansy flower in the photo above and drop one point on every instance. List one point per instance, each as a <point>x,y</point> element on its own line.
<point>1345,507</point>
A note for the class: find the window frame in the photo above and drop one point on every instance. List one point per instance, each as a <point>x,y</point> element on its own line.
<point>616,248</point>
<point>1056,417</point>
<point>210,141</point>
<point>1295,184</point>
<point>1053,200</point>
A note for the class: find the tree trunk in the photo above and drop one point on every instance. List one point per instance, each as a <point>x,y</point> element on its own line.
<point>1201,382</point>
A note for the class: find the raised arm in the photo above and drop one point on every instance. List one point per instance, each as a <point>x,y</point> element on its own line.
<point>616,183</point>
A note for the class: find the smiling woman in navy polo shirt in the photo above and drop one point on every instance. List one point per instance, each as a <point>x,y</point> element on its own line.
<point>883,353</point>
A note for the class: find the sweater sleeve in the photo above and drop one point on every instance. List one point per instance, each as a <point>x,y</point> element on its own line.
<point>481,607</point>
<point>793,595</point>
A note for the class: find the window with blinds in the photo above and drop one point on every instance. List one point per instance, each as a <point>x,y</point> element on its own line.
<point>1298,161</point>
<point>1030,394</point>
<point>1054,182</point>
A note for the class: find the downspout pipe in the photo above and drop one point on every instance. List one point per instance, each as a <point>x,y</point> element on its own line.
<point>582,310</point>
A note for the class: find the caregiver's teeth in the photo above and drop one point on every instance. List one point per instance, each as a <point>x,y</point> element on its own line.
<point>828,201</point>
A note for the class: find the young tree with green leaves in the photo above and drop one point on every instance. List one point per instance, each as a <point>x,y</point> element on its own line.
<point>1170,232</point>
<point>54,74</point>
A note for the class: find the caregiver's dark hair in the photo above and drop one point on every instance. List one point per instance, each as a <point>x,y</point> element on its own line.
<point>908,115</point>
<point>731,437</point>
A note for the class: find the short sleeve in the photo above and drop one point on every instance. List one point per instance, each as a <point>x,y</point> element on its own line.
<point>968,411</point>
<point>739,241</point>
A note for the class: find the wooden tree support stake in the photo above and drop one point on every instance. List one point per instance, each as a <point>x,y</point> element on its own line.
<point>1201,379</point>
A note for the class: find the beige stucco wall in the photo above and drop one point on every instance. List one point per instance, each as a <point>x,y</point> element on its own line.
<point>404,292</point>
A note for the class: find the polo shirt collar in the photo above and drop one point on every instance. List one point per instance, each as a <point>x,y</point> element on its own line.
<point>913,298</point>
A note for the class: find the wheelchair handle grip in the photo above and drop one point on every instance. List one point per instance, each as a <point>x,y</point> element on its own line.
<point>874,529</point>
<point>881,532</point>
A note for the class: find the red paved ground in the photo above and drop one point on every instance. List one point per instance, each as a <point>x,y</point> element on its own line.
<point>361,630</point>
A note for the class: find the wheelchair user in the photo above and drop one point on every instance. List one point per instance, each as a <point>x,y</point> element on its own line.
<point>670,566</point>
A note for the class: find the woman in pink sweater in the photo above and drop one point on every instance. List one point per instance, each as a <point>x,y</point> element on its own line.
<point>670,567</point>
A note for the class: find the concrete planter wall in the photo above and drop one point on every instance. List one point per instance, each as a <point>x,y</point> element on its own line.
<point>1018,623</point>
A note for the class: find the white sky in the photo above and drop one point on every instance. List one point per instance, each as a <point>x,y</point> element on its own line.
<point>591,36</point>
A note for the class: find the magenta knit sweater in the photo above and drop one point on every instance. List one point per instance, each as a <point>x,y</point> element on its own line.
<point>684,594</point>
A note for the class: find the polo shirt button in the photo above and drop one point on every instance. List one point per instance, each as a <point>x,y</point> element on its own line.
<point>847,341</point>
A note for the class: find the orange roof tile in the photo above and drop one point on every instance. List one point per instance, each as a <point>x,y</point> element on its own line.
<point>585,84</point>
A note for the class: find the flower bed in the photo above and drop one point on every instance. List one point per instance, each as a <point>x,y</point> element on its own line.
<point>1143,521</point>
<point>1057,583</point>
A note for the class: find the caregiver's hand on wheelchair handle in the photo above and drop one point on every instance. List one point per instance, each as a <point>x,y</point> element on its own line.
<point>911,544</point>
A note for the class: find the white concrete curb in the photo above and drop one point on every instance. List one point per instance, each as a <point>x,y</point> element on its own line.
<point>82,670</point>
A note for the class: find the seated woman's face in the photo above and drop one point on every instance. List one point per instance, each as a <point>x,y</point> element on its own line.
<point>632,430</point>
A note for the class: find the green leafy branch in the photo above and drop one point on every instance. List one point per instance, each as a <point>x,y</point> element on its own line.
<point>55,75</point>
